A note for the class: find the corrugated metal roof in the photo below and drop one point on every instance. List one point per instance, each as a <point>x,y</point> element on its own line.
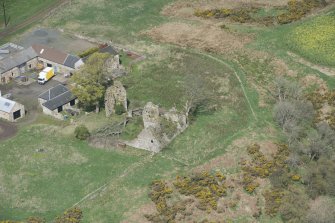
<point>57,96</point>
<point>8,49</point>
<point>17,59</point>
<point>6,105</point>
<point>71,61</point>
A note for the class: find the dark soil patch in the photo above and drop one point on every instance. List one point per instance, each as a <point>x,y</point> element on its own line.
<point>7,130</point>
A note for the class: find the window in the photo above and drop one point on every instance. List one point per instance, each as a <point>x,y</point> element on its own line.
<point>17,114</point>
<point>12,74</point>
<point>49,65</point>
<point>29,65</point>
<point>60,109</point>
<point>73,102</point>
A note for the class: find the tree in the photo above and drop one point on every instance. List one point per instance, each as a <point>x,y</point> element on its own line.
<point>286,89</point>
<point>89,83</point>
<point>4,6</point>
<point>320,177</point>
<point>294,205</point>
<point>319,142</point>
<point>321,211</point>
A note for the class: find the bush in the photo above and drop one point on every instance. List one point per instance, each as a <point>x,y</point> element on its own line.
<point>73,215</point>
<point>89,52</point>
<point>36,220</point>
<point>81,132</point>
<point>119,109</point>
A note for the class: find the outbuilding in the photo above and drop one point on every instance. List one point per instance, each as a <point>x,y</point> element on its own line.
<point>11,110</point>
<point>56,100</point>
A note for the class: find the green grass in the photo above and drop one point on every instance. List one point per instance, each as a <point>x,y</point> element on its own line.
<point>312,38</point>
<point>119,20</point>
<point>315,39</point>
<point>20,10</point>
<point>45,183</point>
<point>51,181</point>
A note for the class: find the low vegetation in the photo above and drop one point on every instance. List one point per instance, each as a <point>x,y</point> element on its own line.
<point>293,11</point>
<point>81,132</point>
<point>315,39</point>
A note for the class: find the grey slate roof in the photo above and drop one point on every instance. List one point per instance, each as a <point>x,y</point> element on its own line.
<point>108,49</point>
<point>6,105</point>
<point>17,59</point>
<point>71,60</point>
<point>57,96</point>
<point>53,92</point>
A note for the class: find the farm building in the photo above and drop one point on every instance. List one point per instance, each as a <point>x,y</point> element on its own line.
<point>17,64</point>
<point>56,100</point>
<point>11,110</point>
<point>15,61</point>
<point>104,49</point>
<point>60,61</point>
<point>8,49</point>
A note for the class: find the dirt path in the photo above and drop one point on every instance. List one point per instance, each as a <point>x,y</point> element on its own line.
<point>42,14</point>
<point>7,130</point>
<point>236,75</point>
<point>326,70</point>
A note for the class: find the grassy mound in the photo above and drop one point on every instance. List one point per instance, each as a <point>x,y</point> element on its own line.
<point>315,40</point>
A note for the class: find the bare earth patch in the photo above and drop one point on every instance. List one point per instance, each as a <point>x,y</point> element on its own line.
<point>197,36</point>
<point>311,80</point>
<point>7,130</point>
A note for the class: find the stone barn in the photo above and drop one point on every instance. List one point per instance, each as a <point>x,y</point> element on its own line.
<point>17,64</point>
<point>61,62</point>
<point>56,100</point>
<point>11,110</point>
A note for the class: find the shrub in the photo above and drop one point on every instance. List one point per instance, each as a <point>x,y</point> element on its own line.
<point>119,109</point>
<point>73,215</point>
<point>81,132</point>
<point>89,52</point>
<point>35,220</point>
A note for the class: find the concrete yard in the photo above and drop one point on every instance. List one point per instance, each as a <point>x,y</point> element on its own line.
<point>27,95</point>
<point>56,39</point>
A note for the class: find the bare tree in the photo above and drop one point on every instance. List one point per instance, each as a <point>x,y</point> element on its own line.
<point>284,113</point>
<point>4,5</point>
<point>287,90</point>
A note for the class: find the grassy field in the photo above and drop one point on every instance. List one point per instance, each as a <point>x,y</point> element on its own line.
<point>45,183</point>
<point>311,38</point>
<point>19,10</point>
<point>44,171</point>
<point>315,39</point>
<point>117,20</point>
